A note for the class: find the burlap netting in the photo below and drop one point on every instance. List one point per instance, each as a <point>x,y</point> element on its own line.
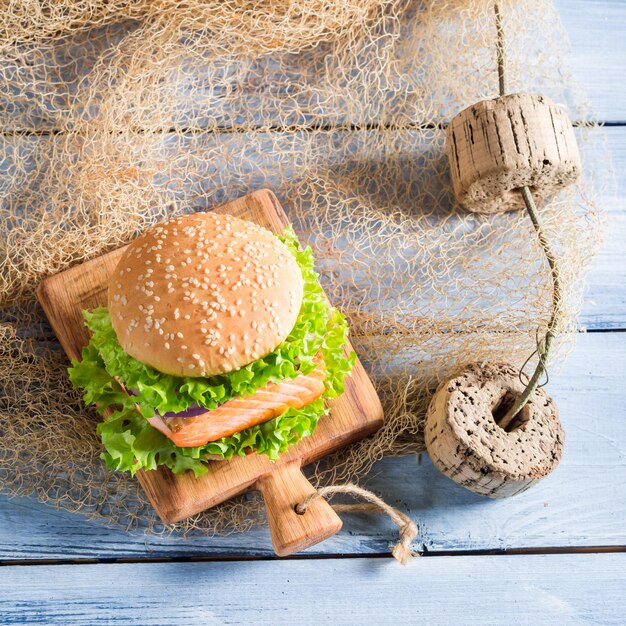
<point>117,113</point>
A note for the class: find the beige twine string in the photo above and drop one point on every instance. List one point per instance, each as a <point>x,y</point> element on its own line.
<point>408,529</point>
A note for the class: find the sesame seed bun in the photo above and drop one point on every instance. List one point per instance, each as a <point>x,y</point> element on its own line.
<point>204,294</point>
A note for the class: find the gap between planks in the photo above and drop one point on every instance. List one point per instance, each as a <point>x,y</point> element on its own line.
<point>322,128</point>
<point>423,552</point>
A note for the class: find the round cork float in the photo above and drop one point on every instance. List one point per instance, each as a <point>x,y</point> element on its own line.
<point>497,146</point>
<point>468,441</point>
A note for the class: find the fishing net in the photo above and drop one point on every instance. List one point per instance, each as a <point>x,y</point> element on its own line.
<point>116,114</point>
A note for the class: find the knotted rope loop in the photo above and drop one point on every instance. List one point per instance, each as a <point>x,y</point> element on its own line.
<point>402,551</point>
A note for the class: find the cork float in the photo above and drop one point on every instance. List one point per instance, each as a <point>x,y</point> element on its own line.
<point>497,146</point>
<point>469,441</point>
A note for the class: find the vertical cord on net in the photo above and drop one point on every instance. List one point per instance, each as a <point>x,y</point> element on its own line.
<point>543,348</point>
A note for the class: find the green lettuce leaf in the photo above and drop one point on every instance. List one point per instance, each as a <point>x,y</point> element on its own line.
<point>132,443</point>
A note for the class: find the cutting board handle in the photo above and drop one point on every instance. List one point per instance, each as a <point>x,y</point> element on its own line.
<point>282,489</point>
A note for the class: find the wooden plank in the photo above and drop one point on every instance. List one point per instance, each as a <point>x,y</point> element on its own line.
<point>578,505</point>
<point>539,589</point>
<point>605,305</point>
<point>605,297</point>
<point>594,28</point>
<point>598,60</point>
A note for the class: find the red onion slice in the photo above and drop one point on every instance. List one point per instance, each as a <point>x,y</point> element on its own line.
<point>192,411</point>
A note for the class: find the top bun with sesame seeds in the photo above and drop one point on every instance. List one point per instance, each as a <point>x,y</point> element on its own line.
<point>204,294</point>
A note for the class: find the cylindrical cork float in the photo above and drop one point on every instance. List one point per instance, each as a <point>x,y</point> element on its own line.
<point>468,441</point>
<point>497,146</point>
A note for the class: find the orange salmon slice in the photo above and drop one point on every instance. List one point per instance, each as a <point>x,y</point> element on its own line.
<point>241,413</point>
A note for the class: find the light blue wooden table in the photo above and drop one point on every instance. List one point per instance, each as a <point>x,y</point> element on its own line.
<point>556,554</point>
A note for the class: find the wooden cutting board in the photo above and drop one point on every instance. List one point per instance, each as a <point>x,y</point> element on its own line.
<point>354,415</point>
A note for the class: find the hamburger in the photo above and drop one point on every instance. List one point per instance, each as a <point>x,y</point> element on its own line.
<point>217,341</point>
